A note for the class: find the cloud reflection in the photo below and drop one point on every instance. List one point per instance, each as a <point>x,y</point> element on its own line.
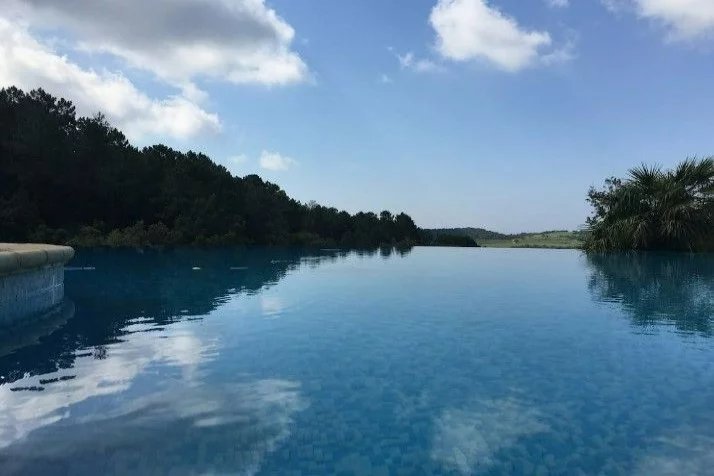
<point>467,439</point>
<point>139,423</point>
<point>271,306</point>
<point>684,451</point>
<point>24,411</point>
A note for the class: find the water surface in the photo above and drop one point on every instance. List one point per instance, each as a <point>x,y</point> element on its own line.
<point>434,361</point>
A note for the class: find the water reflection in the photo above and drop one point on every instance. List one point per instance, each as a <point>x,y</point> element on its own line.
<point>272,306</point>
<point>91,376</point>
<point>361,366</point>
<point>684,450</point>
<point>235,425</point>
<point>130,371</point>
<point>109,289</point>
<point>469,439</point>
<point>26,333</point>
<point>658,288</point>
<point>241,421</point>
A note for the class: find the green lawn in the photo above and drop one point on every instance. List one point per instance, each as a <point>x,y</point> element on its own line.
<point>549,239</point>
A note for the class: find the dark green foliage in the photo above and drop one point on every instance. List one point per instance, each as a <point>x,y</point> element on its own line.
<point>477,234</point>
<point>442,239</point>
<point>74,180</point>
<point>655,209</point>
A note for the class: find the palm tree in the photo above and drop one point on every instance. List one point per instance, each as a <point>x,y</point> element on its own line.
<point>655,209</point>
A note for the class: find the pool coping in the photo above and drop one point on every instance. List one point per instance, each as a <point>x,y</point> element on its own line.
<point>21,257</point>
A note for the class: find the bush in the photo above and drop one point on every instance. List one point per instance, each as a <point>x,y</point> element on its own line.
<point>654,209</point>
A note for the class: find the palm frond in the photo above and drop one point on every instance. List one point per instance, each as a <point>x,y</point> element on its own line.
<point>653,208</point>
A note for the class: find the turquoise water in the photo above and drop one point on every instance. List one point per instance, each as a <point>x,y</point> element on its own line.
<point>434,361</point>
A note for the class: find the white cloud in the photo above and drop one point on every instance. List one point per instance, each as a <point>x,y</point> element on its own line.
<point>558,3</point>
<point>236,163</point>
<point>179,42</point>
<point>420,65</point>
<point>685,19</point>
<point>239,159</point>
<point>27,63</point>
<point>385,79</point>
<point>241,41</point>
<point>562,54</point>
<point>474,30</point>
<point>615,6</point>
<point>275,162</point>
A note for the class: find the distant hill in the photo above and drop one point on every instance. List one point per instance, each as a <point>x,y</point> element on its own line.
<point>478,234</point>
<point>493,239</point>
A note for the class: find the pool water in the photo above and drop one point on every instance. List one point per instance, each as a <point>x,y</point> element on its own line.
<point>428,361</point>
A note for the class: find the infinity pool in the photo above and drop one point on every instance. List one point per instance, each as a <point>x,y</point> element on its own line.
<point>433,361</point>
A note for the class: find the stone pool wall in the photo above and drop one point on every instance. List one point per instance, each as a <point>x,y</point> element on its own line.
<point>31,279</point>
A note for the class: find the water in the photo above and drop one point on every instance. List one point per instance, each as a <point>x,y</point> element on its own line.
<point>435,361</point>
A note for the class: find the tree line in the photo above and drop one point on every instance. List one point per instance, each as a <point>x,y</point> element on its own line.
<point>78,180</point>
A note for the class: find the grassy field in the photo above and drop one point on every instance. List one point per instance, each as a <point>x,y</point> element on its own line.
<point>548,239</point>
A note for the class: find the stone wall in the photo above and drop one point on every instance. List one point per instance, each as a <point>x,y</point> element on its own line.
<point>31,280</point>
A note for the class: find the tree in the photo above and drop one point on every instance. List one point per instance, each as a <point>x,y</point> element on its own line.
<point>655,209</point>
<point>79,180</point>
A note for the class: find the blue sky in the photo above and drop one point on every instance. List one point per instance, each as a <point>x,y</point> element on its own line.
<point>492,113</point>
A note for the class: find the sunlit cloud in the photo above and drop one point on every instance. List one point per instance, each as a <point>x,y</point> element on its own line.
<point>558,3</point>
<point>683,19</point>
<point>239,41</point>
<point>420,65</point>
<point>474,30</point>
<point>28,63</point>
<point>275,162</point>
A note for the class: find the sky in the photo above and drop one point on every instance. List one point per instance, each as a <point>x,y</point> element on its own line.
<point>491,113</point>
